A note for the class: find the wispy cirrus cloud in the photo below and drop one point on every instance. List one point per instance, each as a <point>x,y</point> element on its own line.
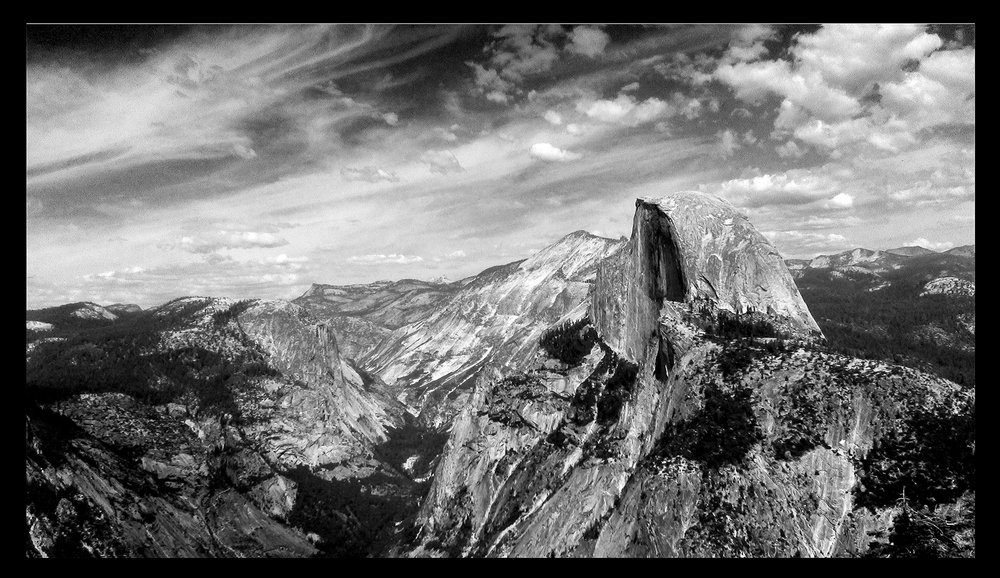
<point>369,174</point>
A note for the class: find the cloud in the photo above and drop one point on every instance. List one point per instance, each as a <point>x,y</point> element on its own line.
<point>840,201</point>
<point>283,259</point>
<point>629,87</point>
<point>626,110</point>
<point>795,242</point>
<point>445,134</point>
<point>790,150</point>
<point>574,129</point>
<point>874,86</point>
<point>211,242</point>
<point>244,151</point>
<point>728,143</point>
<point>588,41</point>
<point>748,42</point>
<point>553,117</point>
<point>391,118</point>
<point>382,259</point>
<point>814,222</point>
<point>922,242</point>
<point>517,51</point>
<point>490,83</point>
<point>371,174</point>
<point>793,187</point>
<point>546,152</point>
<point>441,161</point>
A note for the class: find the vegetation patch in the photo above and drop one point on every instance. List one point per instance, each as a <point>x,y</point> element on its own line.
<point>569,342</point>
<point>929,458</point>
<point>722,432</point>
<point>411,439</point>
<point>220,318</point>
<point>352,519</point>
<point>127,357</point>
<point>618,389</point>
<point>885,324</point>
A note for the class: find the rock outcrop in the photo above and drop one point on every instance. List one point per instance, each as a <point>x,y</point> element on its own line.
<point>697,249</point>
<point>686,428</point>
<point>949,286</point>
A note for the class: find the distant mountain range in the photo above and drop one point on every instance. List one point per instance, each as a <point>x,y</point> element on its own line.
<point>873,260</point>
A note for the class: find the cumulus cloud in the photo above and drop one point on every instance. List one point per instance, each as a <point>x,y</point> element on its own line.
<point>588,41</point>
<point>629,87</point>
<point>546,152</point>
<point>378,259</point>
<point>794,187</point>
<point>922,242</point>
<point>516,52</point>
<point>626,110</point>
<point>491,84</point>
<point>211,242</point>
<point>441,161</point>
<point>391,118</point>
<point>841,201</point>
<point>553,117</point>
<point>874,85</point>
<point>748,42</point>
<point>371,174</point>
<point>789,150</point>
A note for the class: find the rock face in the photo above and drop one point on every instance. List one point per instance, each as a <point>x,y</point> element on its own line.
<point>692,248</point>
<point>683,428</point>
<point>494,319</point>
<point>949,286</point>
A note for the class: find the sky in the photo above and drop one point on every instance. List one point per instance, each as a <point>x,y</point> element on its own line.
<point>252,161</point>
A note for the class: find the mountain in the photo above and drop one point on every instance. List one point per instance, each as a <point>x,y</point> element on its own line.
<point>494,319</point>
<point>964,251</point>
<point>910,251</point>
<point>691,410</point>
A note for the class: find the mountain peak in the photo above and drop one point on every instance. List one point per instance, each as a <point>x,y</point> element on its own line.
<point>692,247</point>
